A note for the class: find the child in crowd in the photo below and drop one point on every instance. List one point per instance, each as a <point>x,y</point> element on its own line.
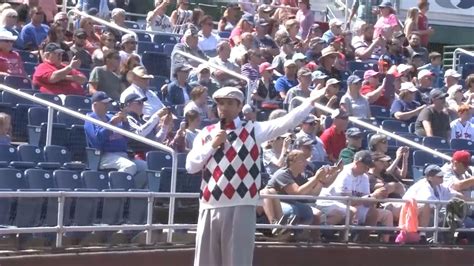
<point>435,67</point>
<point>5,128</point>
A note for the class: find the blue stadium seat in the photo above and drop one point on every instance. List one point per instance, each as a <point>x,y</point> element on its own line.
<point>76,102</point>
<point>165,38</point>
<point>263,115</point>
<point>60,135</point>
<point>28,57</point>
<point>417,172</point>
<point>462,144</point>
<point>36,117</point>
<point>380,112</point>
<point>168,48</point>
<point>359,73</point>
<point>28,211</point>
<point>157,63</point>
<point>112,209</point>
<point>182,160</point>
<point>143,37</point>
<point>92,158</point>
<point>157,160</point>
<point>422,158</point>
<point>121,180</point>
<point>85,209</point>
<point>39,179</point>
<point>68,120</point>
<point>67,179</point>
<point>30,68</point>
<point>12,179</point>
<point>31,153</point>
<point>467,69</point>
<point>159,81</point>
<point>9,157</point>
<point>410,136</point>
<point>51,215</point>
<point>95,180</point>
<point>137,207</point>
<point>49,97</point>
<point>77,143</point>
<point>13,99</point>
<point>131,24</point>
<point>61,156</point>
<point>5,209</point>
<point>465,59</point>
<point>355,65</point>
<point>395,126</point>
<point>148,46</point>
<point>165,180</point>
<point>436,143</point>
<point>18,82</point>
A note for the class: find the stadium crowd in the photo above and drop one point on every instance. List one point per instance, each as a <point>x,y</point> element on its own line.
<point>373,67</point>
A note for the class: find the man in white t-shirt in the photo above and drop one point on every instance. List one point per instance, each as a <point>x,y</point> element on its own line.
<point>353,181</point>
<point>157,20</point>
<point>462,128</point>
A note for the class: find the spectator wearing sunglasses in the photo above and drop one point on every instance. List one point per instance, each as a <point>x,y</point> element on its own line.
<point>35,32</point>
<point>78,49</point>
<point>8,21</point>
<point>207,40</point>
<point>129,45</point>
<point>10,61</point>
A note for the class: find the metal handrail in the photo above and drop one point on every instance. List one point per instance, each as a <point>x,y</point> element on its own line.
<point>357,121</point>
<point>157,145</point>
<point>457,52</point>
<point>103,22</point>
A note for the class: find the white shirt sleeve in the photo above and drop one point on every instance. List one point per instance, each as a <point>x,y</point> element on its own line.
<point>343,183</point>
<point>199,154</point>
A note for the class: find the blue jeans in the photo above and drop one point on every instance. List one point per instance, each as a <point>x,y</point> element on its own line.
<point>302,211</point>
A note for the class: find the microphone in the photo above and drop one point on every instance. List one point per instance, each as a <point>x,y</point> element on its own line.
<point>222,124</point>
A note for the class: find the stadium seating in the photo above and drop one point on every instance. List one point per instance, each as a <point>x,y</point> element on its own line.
<point>422,158</point>
<point>76,102</point>
<point>436,143</point>
<point>462,144</point>
<point>395,126</point>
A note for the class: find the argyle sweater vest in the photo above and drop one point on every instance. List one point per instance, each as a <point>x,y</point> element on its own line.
<point>231,176</point>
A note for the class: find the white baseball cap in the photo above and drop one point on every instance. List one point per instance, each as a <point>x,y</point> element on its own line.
<point>452,73</point>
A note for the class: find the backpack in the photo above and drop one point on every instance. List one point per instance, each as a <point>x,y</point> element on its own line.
<point>408,223</point>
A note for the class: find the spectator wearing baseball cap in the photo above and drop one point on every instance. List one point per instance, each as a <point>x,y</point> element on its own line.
<point>284,83</point>
<point>457,175</point>
<point>245,24</point>
<point>462,128</point>
<point>406,108</point>
<point>353,181</point>
<point>434,120</point>
<point>300,90</point>
<point>189,45</point>
<point>265,91</point>
<point>54,77</point>
<point>113,146</point>
<point>373,90</point>
<point>330,98</point>
<point>309,129</point>
<point>353,144</point>
<point>319,79</point>
<point>353,101</point>
<point>263,41</point>
<point>436,67</point>
<point>179,90</point>
<point>203,73</point>
<point>287,50</point>
<point>78,48</point>
<point>425,82</point>
<point>129,46</point>
<point>316,45</point>
<point>334,138</point>
<point>335,29</point>
<point>451,78</point>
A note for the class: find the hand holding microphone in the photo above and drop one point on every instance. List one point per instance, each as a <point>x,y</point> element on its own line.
<point>220,138</point>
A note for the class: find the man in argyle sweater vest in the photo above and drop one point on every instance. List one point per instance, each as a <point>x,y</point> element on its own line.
<point>228,154</point>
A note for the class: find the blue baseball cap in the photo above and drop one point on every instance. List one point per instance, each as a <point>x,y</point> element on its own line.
<point>353,79</point>
<point>101,96</point>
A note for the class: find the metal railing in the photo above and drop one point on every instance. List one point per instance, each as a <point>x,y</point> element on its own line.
<point>456,55</point>
<point>52,106</point>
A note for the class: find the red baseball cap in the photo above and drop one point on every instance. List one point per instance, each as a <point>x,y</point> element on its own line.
<point>370,73</point>
<point>311,66</point>
<point>264,67</point>
<point>463,157</point>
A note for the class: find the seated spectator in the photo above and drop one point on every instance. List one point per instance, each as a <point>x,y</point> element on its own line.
<point>334,138</point>
<point>106,78</point>
<point>251,61</point>
<point>394,53</point>
<point>230,18</point>
<point>54,77</point>
<point>125,68</point>
<point>249,112</point>
<point>78,49</point>
<point>222,59</point>
<point>117,17</point>
<point>455,99</point>
<point>300,60</point>
<point>207,39</point>
<point>366,49</point>
<point>353,102</point>
<point>275,152</point>
<point>62,19</point>
<point>308,130</point>
<point>330,98</point>
<point>140,81</point>
<point>462,128</point>
<point>425,81</point>
<point>300,90</point>
<point>238,52</point>
<point>190,45</point>
<point>434,119</point>
<point>354,182</point>
<point>372,91</point>
<point>34,33</point>
<point>415,47</point>
<point>113,146</point>
<point>469,84</point>
<point>335,29</point>
<point>204,79</point>
<point>405,108</point>
<point>319,79</point>
<point>451,78</point>
<point>354,144</point>
<point>10,61</point>
<point>107,43</point>
<point>284,83</point>
<point>265,91</point>
<point>92,40</point>
<point>5,129</point>
<point>245,24</point>
<point>429,188</point>
<point>178,90</point>
<point>287,50</point>
<point>155,127</point>
<point>378,143</point>
<point>327,62</point>
<point>56,34</point>
<point>436,67</point>
<point>192,121</point>
<point>198,102</point>
<point>382,175</point>
<point>316,45</point>
<point>263,41</point>
<point>129,46</point>
<point>157,20</point>
<point>8,21</point>
<point>292,27</point>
